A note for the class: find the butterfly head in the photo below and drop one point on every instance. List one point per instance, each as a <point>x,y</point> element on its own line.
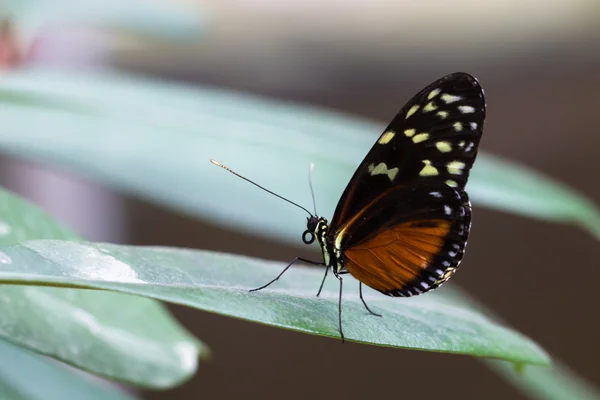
<point>314,226</point>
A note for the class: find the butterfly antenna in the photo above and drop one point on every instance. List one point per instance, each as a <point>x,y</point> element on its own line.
<point>218,164</point>
<point>312,192</point>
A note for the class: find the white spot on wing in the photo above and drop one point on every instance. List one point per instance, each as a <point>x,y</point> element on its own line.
<point>473,125</point>
<point>466,109</point>
<point>430,107</point>
<point>421,137</point>
<point>433,93</point>
<point>455,167</point>
<point>382,169</point>
<point>436,194</point>
<point>443,147</point>
<point>449,98</point>
<point>412,110</point>
<point>442,114</point>
<point>447,209</point>
<point>428,169</point>
<point>386,137</point>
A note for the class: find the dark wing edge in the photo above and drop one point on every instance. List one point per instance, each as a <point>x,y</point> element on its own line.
<point>403,250</point>
<point>446,262</point>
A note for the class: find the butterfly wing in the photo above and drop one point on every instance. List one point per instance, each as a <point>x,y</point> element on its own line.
<point>409,240</point>
<point>434,137</point>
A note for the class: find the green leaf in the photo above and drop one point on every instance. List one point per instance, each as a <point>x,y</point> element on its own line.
<point>517,188</point>
<point>543,383</point>
<point>121,337</point>
<point>21,221</point>
<point>166,133</point>
<point>140,344</point>
<point>220,282</point>
<point>30,377</point>
<point>557,382</point>
<point>158,18</point>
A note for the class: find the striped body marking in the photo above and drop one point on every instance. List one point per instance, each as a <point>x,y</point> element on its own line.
<point>332,252</point>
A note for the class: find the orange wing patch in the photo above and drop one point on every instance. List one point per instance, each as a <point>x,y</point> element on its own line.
<point>396,256</point>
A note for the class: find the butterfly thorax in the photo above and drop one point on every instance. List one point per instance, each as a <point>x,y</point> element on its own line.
<point>332,256</point>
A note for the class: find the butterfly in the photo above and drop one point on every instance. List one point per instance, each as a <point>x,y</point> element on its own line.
<point>402,223</point>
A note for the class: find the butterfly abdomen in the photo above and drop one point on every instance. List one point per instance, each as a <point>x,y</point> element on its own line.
<point>320,229</point>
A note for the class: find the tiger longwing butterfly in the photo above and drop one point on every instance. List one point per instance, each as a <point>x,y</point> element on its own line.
<point>402,223</point>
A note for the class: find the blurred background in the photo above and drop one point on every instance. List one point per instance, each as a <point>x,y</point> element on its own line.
<point>539,64</point>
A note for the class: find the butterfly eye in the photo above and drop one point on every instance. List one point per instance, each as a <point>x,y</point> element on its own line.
<point>308,237</point>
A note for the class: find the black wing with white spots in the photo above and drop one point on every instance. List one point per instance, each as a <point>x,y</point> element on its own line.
<point>434,138</point>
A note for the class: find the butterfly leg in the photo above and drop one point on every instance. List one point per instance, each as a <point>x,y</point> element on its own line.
<point>285,269</point>
<point>364,302</point>
<point>323,281</point>
<point>340,308</point>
